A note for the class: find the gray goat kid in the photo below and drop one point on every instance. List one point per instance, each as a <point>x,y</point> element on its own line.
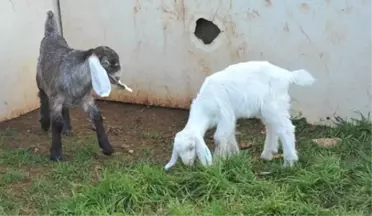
<point>64,81</point>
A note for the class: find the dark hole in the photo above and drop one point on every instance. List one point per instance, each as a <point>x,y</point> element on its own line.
<point>206,30</point>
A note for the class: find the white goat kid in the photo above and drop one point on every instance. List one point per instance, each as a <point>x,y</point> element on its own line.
<point>243,90</point>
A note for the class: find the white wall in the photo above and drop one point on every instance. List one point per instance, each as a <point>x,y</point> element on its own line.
<point>165,63</point>
<point>22,28</point>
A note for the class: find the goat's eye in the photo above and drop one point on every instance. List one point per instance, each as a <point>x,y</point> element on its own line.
<point>106,63</point>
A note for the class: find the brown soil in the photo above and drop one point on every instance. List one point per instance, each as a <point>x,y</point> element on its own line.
<point>131,129</point>
<point>138,131</point>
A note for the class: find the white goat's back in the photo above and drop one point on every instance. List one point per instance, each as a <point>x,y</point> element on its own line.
<point>245,88</point>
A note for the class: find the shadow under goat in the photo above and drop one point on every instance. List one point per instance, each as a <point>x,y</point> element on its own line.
<point>65,78</point>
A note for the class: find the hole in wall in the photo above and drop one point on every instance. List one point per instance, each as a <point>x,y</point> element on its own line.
<point>206,30</point>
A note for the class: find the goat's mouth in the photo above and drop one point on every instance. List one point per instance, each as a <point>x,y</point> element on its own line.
<point>188,162</point>
<point>115,80</point>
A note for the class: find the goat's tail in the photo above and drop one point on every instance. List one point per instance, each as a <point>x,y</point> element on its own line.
<point>302,77</point>
<point>51,27</point>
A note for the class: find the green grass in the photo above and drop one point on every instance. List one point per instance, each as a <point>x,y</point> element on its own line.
<point>326,181</point>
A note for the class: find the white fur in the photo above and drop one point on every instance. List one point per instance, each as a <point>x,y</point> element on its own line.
<point>243,90</point>
<point>100,80</point>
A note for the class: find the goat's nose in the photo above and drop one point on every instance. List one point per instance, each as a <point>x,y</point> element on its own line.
<point>190,163</point>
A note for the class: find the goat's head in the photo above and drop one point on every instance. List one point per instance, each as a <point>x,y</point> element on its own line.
<point>187,145</point>
<point>110,61</point>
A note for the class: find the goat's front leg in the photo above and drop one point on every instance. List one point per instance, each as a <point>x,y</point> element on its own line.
<point>57,126</point>
<point>225,146</point>
<point>67,129</point>
<point>233,144</point>
<point>95,116</point>
<point>224,138</point>
<point>271,144</point>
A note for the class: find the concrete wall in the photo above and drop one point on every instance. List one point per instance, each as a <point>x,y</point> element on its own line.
<point>21,24</point>
<point>165,63</point>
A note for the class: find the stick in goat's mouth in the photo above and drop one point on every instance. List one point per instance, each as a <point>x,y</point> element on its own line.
<point>117,81</point>
<point>124,86</point>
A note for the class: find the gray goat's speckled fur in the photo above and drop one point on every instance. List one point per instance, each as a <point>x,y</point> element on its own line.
<point>64,81</point>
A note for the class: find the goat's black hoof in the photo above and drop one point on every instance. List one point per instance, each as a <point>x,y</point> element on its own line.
<point>56,158</point>
<point>67,132</point>
<point>108,151</point>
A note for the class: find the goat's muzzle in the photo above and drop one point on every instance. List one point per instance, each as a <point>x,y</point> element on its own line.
<point>115,80</point>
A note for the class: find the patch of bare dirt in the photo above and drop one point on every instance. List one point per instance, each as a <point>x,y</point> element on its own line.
<point>137,131</point>
<point>327,142</point>
<point>132,129</point>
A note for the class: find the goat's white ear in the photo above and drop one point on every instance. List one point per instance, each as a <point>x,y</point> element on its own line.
<point>173,159</point>
<point>203,152</point>
<point>100,80</point>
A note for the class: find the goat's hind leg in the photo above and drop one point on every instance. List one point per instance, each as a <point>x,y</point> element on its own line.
<point>285,130</point>
<point>44,111</point>
<point>67,129</point>
<point>271,143</point>
<point>288,140</point>
<point>57,126</point>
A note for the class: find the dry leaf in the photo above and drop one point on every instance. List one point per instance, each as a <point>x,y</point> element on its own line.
<point>130,151</point>
<point>97,169</point>
<point>327,142</point>
<point>245,145</point>
<point>125,146</point>
<point>277,155</point>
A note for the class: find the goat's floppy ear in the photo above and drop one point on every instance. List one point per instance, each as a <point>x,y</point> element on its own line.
<point>100,80</point>
<point>173,159</point>
<point>203,152</point>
